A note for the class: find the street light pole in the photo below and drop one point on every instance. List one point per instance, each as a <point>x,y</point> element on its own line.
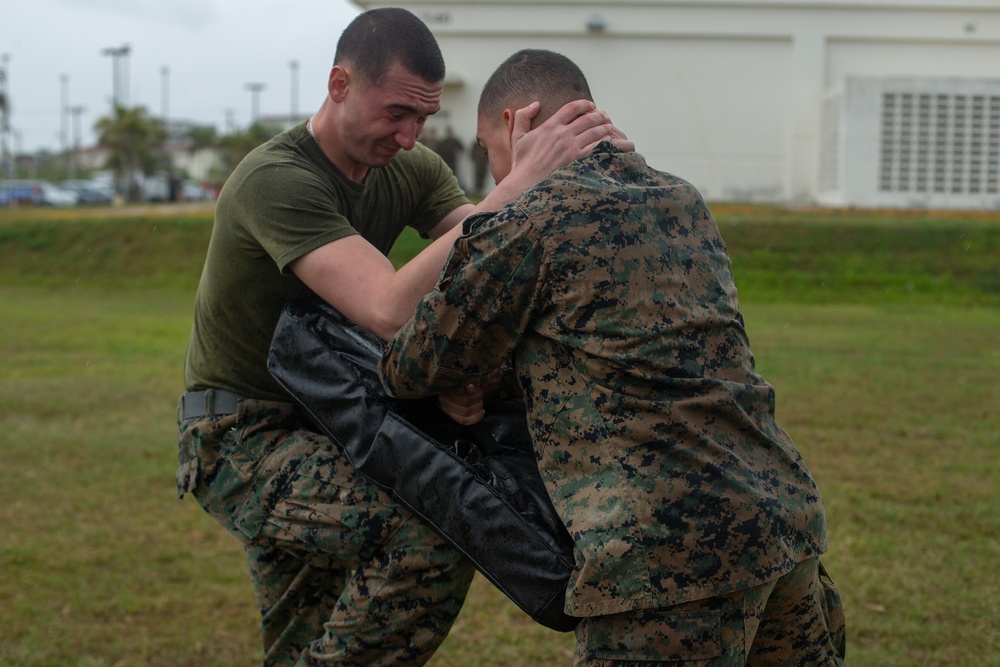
<point>254,89</point>
<point>76,112</point>
<point>64,115</point>
<point>118,87</point>
<point>164,92</point>
<point>295,90</point>
<point>5,149</point>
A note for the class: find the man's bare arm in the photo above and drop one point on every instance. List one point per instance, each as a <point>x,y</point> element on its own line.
<point>356,279</point>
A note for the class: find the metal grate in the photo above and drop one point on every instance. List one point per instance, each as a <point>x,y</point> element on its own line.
<point>940,143</point>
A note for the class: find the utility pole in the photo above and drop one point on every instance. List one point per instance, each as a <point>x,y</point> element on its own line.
<point>76,111</point>
<point>255,89</point>
<point>64,117</point>
<point>164,93</point>
<point>5,154</point>
<point>295,90</point>
<point>120,83</point>
<point>17,150</point>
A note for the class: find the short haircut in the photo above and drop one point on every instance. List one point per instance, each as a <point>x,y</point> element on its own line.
<point>377,39</point>
<point>530,75</point>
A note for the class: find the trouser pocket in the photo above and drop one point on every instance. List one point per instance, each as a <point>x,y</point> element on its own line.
<point>200,449</point>
<point>653,636</point>
<point>221,458</point>
<point>833,612</point>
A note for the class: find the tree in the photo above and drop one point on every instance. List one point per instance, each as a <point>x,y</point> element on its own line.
<point>236,146</point>
<point>135,141</point>
<point>4,104</point>
<point>201,137</point>
<point>4,117</point>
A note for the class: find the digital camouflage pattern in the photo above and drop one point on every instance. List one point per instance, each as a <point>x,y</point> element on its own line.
<point>794,621</point>
<point>283,491</point>
<point>341,573</point>
<point>609,288</point>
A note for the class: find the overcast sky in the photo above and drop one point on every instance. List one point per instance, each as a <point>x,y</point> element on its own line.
<point>211,50</point>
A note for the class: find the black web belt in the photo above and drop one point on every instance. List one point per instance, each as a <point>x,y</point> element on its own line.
<point>210,402</point>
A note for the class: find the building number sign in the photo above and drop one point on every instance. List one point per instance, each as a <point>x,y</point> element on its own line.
<point>432,18</point>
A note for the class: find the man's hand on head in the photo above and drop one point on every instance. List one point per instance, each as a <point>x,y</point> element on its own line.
<point>621,141</point>
<point>568,135</point>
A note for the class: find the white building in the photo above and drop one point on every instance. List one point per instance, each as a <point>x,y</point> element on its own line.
<point>731,94</point>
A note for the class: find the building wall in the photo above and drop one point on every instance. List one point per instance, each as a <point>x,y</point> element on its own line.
<point>726,93</point>
<point>913,143</point>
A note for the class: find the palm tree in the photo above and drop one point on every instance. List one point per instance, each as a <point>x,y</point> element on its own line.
<point>201,137</point>
<point>4,117</point>
<point>236,146</point>
<point>135,140</point>
<point>3,100</point>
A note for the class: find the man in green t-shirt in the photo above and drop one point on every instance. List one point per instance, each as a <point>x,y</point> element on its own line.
<point>341,573</point>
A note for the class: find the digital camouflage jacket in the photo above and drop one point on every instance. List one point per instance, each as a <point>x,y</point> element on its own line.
<point>609,289</point>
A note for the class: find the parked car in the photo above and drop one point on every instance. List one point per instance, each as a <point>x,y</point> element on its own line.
<point>20,192</point>
<point>89,191</point>
<point>155,188</point>
<point>37,193</point>
<point>53,195</point>
<point>194,191</point>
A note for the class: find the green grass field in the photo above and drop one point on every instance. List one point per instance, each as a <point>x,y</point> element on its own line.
<point>879,330</point>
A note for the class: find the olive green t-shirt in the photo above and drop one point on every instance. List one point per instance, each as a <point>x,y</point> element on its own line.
<point>283,201</point>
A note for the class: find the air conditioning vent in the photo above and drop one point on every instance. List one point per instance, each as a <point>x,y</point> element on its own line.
<point>917,142</point>
<point>940,143</point>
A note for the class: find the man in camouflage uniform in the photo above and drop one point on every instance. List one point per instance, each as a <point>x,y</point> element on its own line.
<point>341,573</point>
<point>697,527</point>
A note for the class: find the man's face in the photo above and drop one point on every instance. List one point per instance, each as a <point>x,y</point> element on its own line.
<point>380,120</point>
<point>493,135</point>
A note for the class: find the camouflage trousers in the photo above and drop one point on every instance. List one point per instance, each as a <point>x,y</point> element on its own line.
<point>794,621</point>
<point>342,575</point>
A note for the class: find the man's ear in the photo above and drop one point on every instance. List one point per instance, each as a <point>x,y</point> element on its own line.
<point>338,82</point>
<point>508,119</point>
